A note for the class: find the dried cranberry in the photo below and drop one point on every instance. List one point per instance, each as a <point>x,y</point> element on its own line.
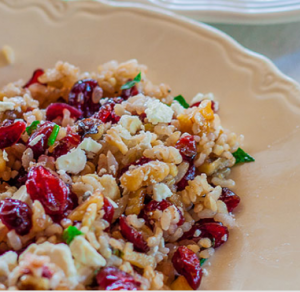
<point>133,235</point>
<point>88,127</point>
<point>46,272</point>
<point>109,210</point>
<point>16,215</point>
<point>41,145</point>
<point>139,162</point>
<point>85,96</point>
<point>112,278</point>
<point>55,110</point>
<point>126,93</point>
<point>187,147</point>
<point>230,199</point>
<point>186,263</point>
<point>71,140</point>
<point>142,117</point>
<point>34,79</point>
<point>72,203</point>
<point>213,105</point>
<point>106,112</point>
<point>50,190</point>
<point>215,231</point>
<point>10,133</point>
<point>161,206</point>
<point>190,175</point>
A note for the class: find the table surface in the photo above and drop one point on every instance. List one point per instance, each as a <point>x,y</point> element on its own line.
<point>278,42</point>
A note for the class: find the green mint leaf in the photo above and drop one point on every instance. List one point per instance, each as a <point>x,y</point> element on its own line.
<point>116,252</point>
<point>241,156</point>
<point>53,135</point>
<point>133,82</point>
<point>32,127</point>
<point>70,233</point>
<point>202,261</point>
<point>182,101</point>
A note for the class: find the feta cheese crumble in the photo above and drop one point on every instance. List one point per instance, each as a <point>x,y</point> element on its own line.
<point>72,162</point>
<point>158,112</point>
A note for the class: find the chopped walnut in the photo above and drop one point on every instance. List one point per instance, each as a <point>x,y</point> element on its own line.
<point>166,154</point>
<point>147,174</point>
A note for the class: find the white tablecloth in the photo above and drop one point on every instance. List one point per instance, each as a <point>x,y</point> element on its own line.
<point>279,42</point>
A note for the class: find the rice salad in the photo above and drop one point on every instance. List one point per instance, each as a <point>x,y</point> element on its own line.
<point>111,182</point>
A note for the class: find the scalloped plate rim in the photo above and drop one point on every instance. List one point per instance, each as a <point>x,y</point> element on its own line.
<point>227,14</point>
<point>227,43</point>
<point>222,35</point>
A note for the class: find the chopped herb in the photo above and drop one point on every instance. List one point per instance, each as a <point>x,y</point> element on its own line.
<point>32,127</point>
<point>133,82</point>
<point>53,135</point>
<point>241,156</point>
<point>213,242</point>
<point>202,261</point>
<point>182,101</point>
<point>117,253</point>
<point>70,233</point>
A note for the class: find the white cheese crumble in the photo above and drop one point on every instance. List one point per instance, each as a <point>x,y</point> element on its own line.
<point>161,191</point>
<point>200,96</point>
<point>5,156</point>
<point>130,123</point>
<point>177,108</point>
<point>36,140</point>
<point>90,145</point>
<point>158,112</point>
<point>59,255</point>
<point>72,162</point>
<point>6,105</point>
<point>84,253</point>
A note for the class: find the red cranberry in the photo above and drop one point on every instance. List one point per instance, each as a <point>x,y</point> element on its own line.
<point>85,96</point>
<point>133,235</point>
<point>126,93</point>
<point>106,112</point>
<point>186,263</point>
<point>10,133</point>
<point>108,210</point>
<point>112,278</point>
<point>214,231</point>
<point>40,147</point>
<point>213,105</point>
<point>50,190</point>
<point>187,147</point>
<point>46,272</point>
<point>139,162</point>
<point>190,175</point>
<point>55,110</point>
<point>16,215</point>
<point>230,199</point>
<point>34,79</point>
<point>142,117</point>
<point>161,206</point>
<point>72,203</point>
<point>71,140</point>
<point>88,127</point>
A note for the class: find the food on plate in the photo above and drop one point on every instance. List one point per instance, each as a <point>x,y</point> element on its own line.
<point>8,54</point>
<point>110,182</point>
